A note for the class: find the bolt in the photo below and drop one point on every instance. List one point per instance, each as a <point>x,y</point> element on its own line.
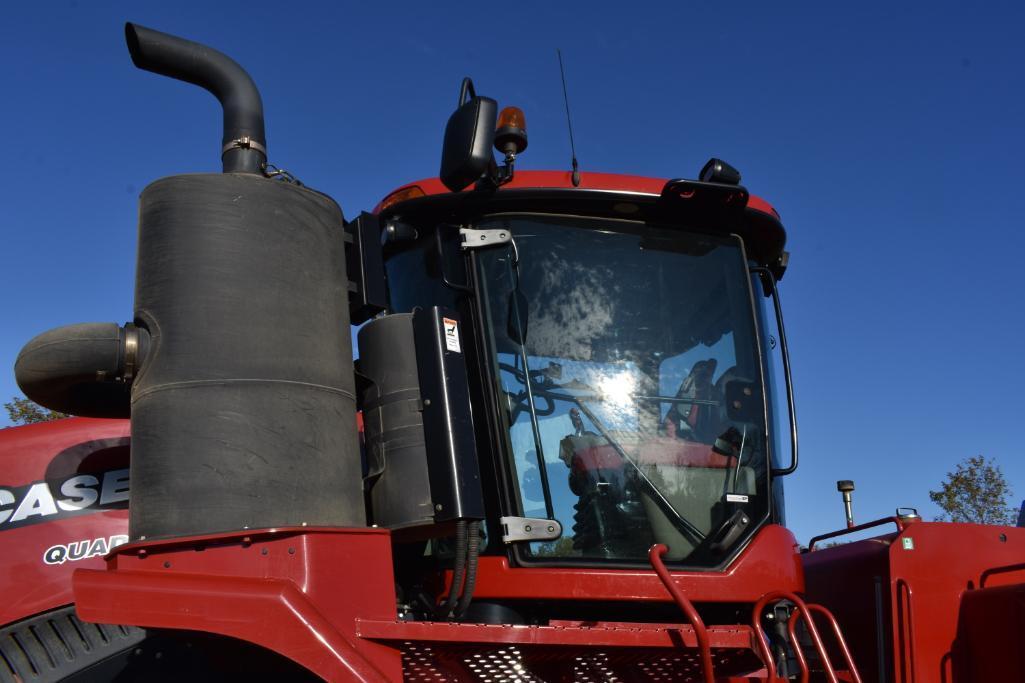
<point>263,552</point>
<point>427,401</point>
<point>438,507</point>
<point>551,529</point>
<point>167,565</point>
<point>291,551</point>
<point>527,528</point>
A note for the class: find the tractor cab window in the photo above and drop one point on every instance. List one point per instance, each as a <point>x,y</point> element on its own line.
<point>626,361</point>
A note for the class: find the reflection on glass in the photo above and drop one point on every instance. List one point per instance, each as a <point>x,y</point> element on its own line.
<point>615,402</point>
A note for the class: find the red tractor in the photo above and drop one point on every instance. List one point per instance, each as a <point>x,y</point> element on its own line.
<point>559,456</point>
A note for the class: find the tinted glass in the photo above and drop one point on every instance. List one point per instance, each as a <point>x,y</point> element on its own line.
<point>633,405</point>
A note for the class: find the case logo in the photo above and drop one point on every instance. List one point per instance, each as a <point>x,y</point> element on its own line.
<point>44,501</point>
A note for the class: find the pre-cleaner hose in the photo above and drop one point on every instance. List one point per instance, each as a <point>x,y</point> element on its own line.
<point>84,369</point>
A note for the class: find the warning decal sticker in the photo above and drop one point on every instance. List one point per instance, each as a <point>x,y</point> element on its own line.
<point>451,334</point>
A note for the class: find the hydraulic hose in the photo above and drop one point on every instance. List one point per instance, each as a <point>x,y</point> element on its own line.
<point>472,553</point>
<point>445,610</point>
<point>244,143</point>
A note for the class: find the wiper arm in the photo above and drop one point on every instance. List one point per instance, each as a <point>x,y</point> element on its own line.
<point>681,523</point>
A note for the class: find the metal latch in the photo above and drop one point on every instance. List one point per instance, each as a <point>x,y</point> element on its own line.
<point>529,529</point>
<point>477,239</point>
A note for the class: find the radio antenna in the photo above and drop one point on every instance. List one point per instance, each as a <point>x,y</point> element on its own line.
<point>569,122</point>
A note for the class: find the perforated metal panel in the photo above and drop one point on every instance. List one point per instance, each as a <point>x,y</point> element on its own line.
<point>437,663</point>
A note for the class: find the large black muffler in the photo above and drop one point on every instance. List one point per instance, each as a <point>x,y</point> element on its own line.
<point>243,414</point>
<point>243,401</point>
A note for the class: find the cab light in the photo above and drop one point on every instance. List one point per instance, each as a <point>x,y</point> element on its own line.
<point>401,195</point>
<point>718,171</point>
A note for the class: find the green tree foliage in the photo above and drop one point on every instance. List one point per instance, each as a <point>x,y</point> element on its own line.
<point>22,411</point>
<point>975,492</point>
<point>562,547</point>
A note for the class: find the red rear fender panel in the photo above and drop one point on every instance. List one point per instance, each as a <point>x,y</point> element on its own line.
<point>63,505</point>
<point>927,585</point>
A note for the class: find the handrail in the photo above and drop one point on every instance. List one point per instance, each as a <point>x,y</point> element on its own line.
<point>860,527</point>
<point>655,557</point>
<point>841,642</point>
<point>984,577</point>
<point>769,278</point>
<point>907,652</point>
<point>762,641</point>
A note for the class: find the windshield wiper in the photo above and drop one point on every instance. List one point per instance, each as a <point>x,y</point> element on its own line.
<point>682,524</point>
<point>544,390</point>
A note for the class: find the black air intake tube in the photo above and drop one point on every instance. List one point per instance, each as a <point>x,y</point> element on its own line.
<point>245,143</point>
<point>83,369</point>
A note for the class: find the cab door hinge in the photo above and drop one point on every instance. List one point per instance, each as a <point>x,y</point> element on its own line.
<point>478,239</point>
<point>516,529</point>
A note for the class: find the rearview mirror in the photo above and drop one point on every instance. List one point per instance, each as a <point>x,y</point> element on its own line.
<point>743,401</point>
<point>469,136</point>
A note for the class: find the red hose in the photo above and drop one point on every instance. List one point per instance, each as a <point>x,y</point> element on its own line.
<point>655,557</point>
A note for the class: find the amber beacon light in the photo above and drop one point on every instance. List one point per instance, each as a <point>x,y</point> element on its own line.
<point>511,132</point>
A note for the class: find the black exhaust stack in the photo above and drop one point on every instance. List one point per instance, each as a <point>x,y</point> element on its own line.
<point>244,144</point>
<point>241,389</point>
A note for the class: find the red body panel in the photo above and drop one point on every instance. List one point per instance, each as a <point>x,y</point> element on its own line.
<point>295,591</point>
<point>563,179</point>
<point>325,598</point>
<point>769,563</point>
<point>990,642</point>
<point>929,578</point>
<point>47,455</point>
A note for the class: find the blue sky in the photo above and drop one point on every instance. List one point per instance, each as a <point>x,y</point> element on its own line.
<point>891,138</point>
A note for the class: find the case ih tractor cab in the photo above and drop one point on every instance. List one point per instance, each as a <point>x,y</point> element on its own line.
<point>569,467</point>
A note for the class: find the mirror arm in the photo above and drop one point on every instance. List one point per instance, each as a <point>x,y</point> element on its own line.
<point>466,92</point>
<point>769,279</point>
<point>496,175</point>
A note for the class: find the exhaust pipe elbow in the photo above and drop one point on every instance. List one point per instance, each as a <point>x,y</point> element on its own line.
<point>244,142</point>
<point>84,369</point>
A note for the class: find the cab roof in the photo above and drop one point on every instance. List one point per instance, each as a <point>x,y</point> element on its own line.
<point>614,182</point>
<point>693,205</point>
